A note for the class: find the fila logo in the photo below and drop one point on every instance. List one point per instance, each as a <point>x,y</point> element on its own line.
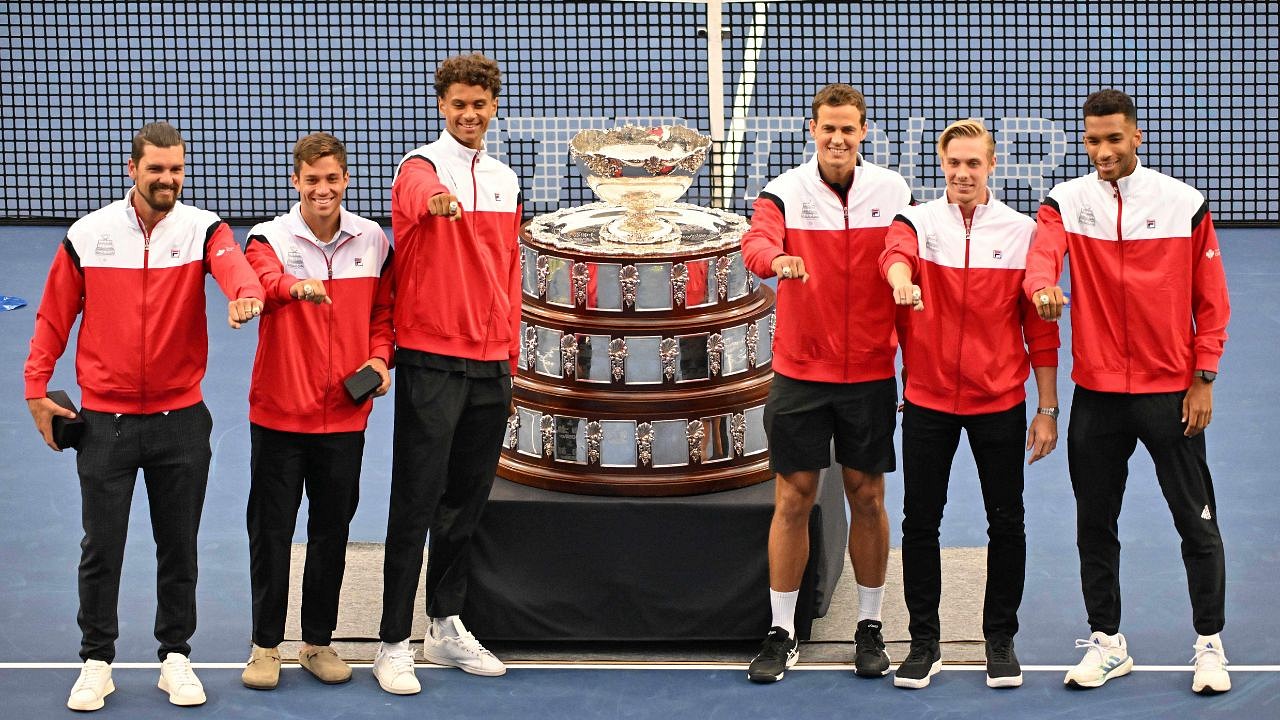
<point>1205,514</point>
<point>497,197</point>
<point>1151,223</point>
<point>996,254</point>
<point>174,253</point>
<point>1212,253</point>
<point>875,212</point>
<point>359,262</point>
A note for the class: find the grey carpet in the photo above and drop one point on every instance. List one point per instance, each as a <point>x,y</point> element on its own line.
<point>963,579</point>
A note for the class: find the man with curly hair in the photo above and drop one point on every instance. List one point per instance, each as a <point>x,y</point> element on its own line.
<point>455,214</point>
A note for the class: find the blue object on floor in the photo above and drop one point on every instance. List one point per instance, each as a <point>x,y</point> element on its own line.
<point>9,302</point>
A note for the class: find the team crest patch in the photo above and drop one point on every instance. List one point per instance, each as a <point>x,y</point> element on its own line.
<point>931,242</point>
<point>809,212</point>
<point>1085,216</point>
<point>104,246</point>
<point>293,259</point>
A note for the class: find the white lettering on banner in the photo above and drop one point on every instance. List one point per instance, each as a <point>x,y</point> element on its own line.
<point>1029,150</point>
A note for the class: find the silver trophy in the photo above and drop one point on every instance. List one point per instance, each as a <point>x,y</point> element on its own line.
<point>641,169</point>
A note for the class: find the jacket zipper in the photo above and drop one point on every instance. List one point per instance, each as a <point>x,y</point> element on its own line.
<point>964,305</point>
<point>844,204</point>
<point>493,300</point>
<point>146,264</point>
<point>1124,304</point>
<point>328,311</point>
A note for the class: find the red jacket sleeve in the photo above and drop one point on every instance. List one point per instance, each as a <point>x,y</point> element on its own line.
<point>900,245</point>
<point>416,184</point>
<point>223,259</point>
<point>513,288</point>
<point>1040,335</point>
<point>63,299</point>
<point>382,336</point>
<point>1048,248</point>
<point>266,264</point>
<point>764,240</point>
<point>1210,304</point>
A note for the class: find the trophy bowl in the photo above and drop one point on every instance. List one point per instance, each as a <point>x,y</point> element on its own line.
<point>640,169</point>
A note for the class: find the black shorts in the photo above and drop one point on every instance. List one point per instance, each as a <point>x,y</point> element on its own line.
<point>801,417</point>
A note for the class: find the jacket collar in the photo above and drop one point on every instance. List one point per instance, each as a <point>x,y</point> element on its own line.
<point>454,149</point>
<point>1125,183</point>
<point>299,228</point>
<point>132,213</point>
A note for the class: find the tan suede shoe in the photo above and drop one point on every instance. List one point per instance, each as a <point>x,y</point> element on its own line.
<point>263,670</point>
<point>324,663</point>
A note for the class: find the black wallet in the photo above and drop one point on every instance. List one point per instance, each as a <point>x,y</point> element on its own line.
<point>66,431</point>
<point>362,383</point>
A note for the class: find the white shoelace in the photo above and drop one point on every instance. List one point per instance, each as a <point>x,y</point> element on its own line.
<point>469,643</point>
<point>1215,662</point>
<point>400,660</point>
<point>1091,645</point>
<point>90,678</point>
<point>180,672</point>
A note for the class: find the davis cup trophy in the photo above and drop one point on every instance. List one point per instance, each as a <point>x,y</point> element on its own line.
<point>646,348</point>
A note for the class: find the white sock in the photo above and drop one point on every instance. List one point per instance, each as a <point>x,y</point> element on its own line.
<point>869,602</point>
<point>445,626</point>
<point>783,605</point>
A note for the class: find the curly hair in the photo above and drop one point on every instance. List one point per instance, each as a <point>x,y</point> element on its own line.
<point>473,69</point>
<point>1110,102</point>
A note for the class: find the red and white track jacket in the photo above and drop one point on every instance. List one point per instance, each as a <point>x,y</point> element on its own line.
<point>1149,298</point>
<point>457,282</point>
<point>143,342</point>
<point>838,326</point>
<point>966,353</point>
<point>305,350</point>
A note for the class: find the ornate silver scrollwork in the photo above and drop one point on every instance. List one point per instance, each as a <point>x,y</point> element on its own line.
<point>548,427</point>
<point>531,346</point>
<point>581,277</point>
<point>753,282</point>
<point>715,346</point>
<point>697,432</point>
<point>738,431</point>
<point>722,277</point>
<point>569,353</point>
<point>594,433</point>
<point>753,339</point>
<point>629,277</point>
<point>668,351</point>
<point>544,272</point>
<point>679,280</point>
<point>644,441</point>
<point>617,357</point>
<point>513,431</point>
<point>773,324</point>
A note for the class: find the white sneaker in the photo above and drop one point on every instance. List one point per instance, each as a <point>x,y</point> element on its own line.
<point>1105,657</point>
<point>393,668</point>
<point>460,650</point>
<point>1211,677</point>
<point>180,681</point>
<point>92,686</point>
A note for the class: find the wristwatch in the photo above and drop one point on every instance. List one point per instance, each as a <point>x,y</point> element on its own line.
<point>1050,411</point>
<point>1206,375</point>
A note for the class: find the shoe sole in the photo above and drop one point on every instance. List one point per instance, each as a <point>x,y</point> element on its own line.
<point>313,674</point>
<point>1008,681</point>
<point>445,662</point>
<point>914,684</point>
<point>872,673</point>
<point>96,705</point>
<point>763,678</point>
<point>1120,671</point>
<point>175,700</point>
<point>1210,688</point>
<point>259,686</point>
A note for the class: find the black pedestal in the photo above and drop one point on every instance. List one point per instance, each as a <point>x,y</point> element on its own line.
<point>556,566</point>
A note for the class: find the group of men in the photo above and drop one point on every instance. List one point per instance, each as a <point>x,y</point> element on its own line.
<point>972,300</point>
<point>1149,317</point>
<point>321,281</point>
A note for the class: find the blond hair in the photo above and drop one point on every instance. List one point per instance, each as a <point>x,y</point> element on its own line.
<point>970,128</point>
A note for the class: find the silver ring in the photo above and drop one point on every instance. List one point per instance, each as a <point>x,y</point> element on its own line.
<point>306,290</point>
<point>453,207</point>
<point>1044,299</point>
<point>786,272</point>
<point>915,296</point>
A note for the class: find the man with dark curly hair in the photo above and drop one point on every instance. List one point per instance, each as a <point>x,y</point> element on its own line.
<point>455,213</point>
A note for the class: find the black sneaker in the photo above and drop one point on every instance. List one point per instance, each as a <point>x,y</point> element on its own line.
<point>778,653</point>
<point>923,662</point>
<point>870,658</point>
<point>1003,670</point>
